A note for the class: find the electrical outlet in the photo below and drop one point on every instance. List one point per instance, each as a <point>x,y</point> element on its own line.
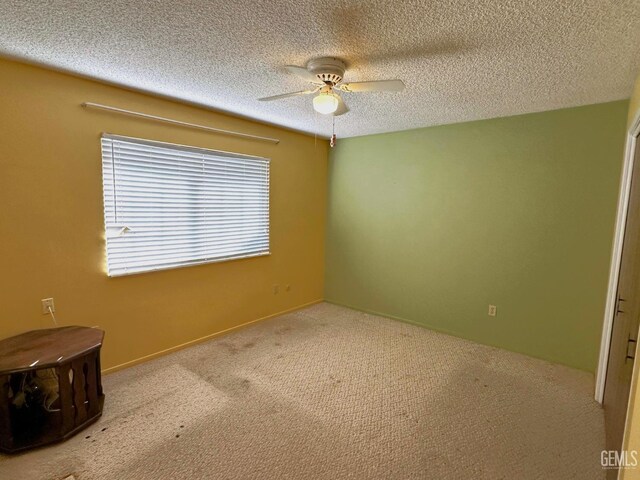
<point>276,289</point>
<point>46,303</point>
<point>287,287</point>
<point>492,310</point>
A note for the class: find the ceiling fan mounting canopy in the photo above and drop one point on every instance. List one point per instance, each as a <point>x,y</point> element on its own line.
<point>327,69</point>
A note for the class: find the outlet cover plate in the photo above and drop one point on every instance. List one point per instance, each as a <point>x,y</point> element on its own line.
<point>46,303</point>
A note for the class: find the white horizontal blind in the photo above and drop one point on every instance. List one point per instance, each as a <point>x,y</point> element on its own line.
<point>168,205</point>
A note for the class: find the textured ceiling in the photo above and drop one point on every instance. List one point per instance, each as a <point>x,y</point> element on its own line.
<point>460,60</point>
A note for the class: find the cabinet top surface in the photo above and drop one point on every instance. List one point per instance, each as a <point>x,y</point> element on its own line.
<point>47,348</point>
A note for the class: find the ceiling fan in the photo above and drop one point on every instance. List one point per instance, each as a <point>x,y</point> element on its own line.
<point>326,74</point>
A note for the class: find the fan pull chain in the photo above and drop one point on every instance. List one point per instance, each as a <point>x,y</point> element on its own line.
<point>332,142</point>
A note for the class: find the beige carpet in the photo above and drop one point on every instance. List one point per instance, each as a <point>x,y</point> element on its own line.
<point>331,393</point>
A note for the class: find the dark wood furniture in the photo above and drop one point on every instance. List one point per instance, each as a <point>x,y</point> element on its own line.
<point>50,385</point>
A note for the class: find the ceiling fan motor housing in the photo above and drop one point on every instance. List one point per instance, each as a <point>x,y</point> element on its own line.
<point>327,69</point>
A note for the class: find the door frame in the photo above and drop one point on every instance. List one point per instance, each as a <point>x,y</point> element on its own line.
<point>616,254</point>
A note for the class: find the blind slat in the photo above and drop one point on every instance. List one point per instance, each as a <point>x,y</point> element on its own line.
<point>146,268</point>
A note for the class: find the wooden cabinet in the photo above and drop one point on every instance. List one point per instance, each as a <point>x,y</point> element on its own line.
<point>50,385</point>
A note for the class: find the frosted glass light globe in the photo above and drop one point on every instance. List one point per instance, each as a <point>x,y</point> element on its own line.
<point>325,103</point>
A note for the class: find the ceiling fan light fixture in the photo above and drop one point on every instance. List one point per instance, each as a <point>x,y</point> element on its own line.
<point>325,103</point>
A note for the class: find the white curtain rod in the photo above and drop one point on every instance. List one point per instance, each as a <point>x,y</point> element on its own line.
<point>177,122</point>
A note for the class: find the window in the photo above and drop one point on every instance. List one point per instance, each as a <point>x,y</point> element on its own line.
<point>169,206</point>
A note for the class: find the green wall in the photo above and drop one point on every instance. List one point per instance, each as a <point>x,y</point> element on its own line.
<point>433,225</point>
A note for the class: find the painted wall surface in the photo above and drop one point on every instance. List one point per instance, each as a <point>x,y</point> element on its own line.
<point>51,221</point>
<point>632,431</point>
<point>433,225</point>
<point>634,102</point>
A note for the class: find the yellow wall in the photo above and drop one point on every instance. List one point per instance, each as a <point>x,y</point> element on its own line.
<point>632,433</point>
<point>51,222</point>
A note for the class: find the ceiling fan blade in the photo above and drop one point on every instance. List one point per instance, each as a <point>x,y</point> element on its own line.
<point>374,86</point>
<point>287,95</point>
<point>342,107</point>
<point>303,73</point>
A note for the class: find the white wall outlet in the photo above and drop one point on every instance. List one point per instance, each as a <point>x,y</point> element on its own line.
<point>492,310</point>
<point>276,289</point>
<point>46,303</point>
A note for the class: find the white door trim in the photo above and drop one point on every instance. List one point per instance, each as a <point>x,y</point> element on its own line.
<point>616,255</point>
